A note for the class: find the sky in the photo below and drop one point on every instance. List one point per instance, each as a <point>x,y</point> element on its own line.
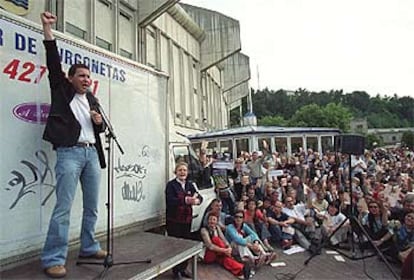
<point>323,45</point>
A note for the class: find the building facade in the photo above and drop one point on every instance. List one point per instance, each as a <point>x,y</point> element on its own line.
<point>199,49</point>
<point>390,136</point>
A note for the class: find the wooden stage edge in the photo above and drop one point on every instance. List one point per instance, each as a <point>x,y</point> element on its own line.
<point>129,253</point>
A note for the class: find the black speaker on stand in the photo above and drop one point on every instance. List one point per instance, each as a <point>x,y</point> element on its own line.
<point>352,144</point>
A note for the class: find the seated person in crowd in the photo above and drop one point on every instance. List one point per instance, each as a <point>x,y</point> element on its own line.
<point>216,207</point>
<point>376,225</point>
<point>246,243</point>
<point>280,226</point>
<point>268,189</point>
<point>304,224</point>
<point>331,220</point>
<point>256,220</point>
<point>319,204</point>
<point>251,194</point>
<point>240,190</point>
<point>219,250</point>
<point>405,237</point>
<point>398,213</point>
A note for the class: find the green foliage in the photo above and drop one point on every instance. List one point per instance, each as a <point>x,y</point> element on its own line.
<point>272,121</point>
<point>372,139</point>
<point>332,109</point>
<point>408,139</point>
<point>331,115</point>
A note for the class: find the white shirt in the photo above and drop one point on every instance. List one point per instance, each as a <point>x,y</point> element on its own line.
<point>333,221</point>
<point>81,110</point>
<point>298,211</point>
<point>181,183</point>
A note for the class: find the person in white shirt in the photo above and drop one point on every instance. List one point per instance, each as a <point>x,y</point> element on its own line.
<point>331,220</point>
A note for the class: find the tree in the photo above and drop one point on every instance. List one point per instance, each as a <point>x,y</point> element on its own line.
<point>332,115</point>
<point>272,121</point>
<point>408,139</point>
<point>380,112</point>
<point>372,139</point>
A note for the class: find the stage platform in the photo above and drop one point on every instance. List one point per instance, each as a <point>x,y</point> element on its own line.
<point>164,252</point>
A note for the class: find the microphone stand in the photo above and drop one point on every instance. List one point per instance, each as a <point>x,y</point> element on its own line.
<point>108,261</point>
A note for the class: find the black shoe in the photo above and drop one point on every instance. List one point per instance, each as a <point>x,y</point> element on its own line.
<point>246,271</point>
<point>186,274</point>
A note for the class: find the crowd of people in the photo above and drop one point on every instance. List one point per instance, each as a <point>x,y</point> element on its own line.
<point>268,200</point>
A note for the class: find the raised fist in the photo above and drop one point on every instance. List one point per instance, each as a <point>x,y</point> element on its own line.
<point>48,18</point>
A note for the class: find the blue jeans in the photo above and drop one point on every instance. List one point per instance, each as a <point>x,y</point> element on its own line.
<point>73,164</point>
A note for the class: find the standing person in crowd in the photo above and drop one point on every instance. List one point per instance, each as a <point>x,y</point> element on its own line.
<point>219,250</point>
<point>73,128</point>
<point>180,195</point>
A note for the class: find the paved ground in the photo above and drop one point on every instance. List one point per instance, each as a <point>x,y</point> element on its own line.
<point>142,245</point>
<point>320,267</point>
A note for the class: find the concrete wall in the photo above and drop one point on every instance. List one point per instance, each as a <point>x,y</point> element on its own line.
<point>222,35</point>
<point>390,136</point>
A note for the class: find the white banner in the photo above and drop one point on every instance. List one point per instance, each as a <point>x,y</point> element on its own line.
<point>133,97</point>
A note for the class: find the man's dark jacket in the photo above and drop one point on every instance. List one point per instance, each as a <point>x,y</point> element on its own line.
<point>62,128</point>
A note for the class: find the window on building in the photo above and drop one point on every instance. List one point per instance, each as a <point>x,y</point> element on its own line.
<point>127,34</point>
<point>196,98</point>
<point>176,79</point>
<point>188,102</point>
<point>151,46</point>
<point>107,3</point>
<point>125,53</point>
<point>125,15</point>
<point>75,31</point>
<point>103,44</point>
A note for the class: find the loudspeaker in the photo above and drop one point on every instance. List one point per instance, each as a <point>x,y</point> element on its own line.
<point>350,144</point>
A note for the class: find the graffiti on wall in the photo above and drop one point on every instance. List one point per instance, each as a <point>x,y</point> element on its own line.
<point>31,178</point>
<point>132,175</point>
